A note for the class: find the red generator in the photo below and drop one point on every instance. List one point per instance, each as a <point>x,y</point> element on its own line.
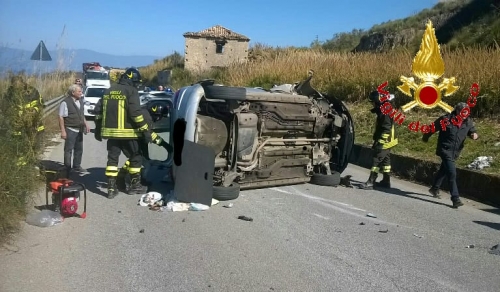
<point>65,197</point>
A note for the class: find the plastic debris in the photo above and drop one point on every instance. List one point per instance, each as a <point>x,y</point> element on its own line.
<point>230,205</point>
<point>371,215</point>
<point>45,218</point>
<point>149,199</point>
<point>470,246</point>
<point>481,162</point>
<point>416,235</point>
<point>198,207</point>
<point>245,218</point>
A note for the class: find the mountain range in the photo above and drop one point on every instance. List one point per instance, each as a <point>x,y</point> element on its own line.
<point>17,60</point>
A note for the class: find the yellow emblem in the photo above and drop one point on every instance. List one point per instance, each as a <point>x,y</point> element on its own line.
<point>154,109</point>
<point>428,65</point>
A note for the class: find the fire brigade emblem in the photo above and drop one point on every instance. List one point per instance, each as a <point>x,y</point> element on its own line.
<point>428,66</point>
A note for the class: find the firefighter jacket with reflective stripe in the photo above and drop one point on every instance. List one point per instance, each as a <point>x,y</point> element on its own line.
<point>384,130</point>
<point>29,105</point>
<point>119,113</point>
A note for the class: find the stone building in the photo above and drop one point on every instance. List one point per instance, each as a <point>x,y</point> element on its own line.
<point>214,47</point>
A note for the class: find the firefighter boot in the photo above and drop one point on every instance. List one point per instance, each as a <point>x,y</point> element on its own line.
<point>136,188</point>
<point>385,182</point>
<point>120,180</point>
<point>112,189</point>
<point>368,185</point>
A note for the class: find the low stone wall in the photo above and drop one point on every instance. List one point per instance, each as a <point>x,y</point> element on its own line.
<point>473,184</point>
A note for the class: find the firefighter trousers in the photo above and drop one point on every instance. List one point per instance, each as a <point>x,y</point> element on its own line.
<point>381,160</point>
<point>130,149</point>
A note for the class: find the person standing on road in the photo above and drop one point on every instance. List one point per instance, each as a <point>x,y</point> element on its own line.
<point>119,119</point>
<point>453,131</point>
<point>383,141</point>
<point>73,125</point>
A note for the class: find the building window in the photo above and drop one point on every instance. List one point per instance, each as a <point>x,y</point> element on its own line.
<point>219,47</point>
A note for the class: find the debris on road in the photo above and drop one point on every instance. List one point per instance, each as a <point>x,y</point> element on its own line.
<point>416,235</point>
<point>149,199</point>
<point>495,249</point>
<point>362,223</point>
<point>384,231</point>
<point>141,231</point>
<point>481,162</point>
<point>245,218</point>
<point>470,246</point>
<point>346,181</point>
<point>176,206</point>
<point>230,205</point>
<point>45,218</point>
<point>371,215</point>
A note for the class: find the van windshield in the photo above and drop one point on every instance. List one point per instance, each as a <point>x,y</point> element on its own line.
<point>95,92</point>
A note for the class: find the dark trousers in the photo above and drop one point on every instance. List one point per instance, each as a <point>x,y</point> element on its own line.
<point>130,149</point>
<point>381,160</point>
<point>447,170</point>
<point>73,146</point>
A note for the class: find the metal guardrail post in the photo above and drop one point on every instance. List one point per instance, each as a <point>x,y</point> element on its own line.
<point>51,105</point>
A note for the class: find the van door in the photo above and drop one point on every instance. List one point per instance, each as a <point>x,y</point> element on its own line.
<point>162,127</point>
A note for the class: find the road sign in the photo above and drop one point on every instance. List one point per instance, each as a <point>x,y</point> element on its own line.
<point>41,53</point>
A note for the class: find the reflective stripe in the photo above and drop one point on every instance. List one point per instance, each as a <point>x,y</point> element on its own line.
<point>111,171</point>
<point>375,169</point>
<point>393,142</point>
<point>134,170</point>
<point>139,119</point>
<point>121,114</point>
<point>41,128</point>
<point>386,169</point>
<point>120,133</point>
<point>104,108</point>
<point>144,128</point>
<point>126,165</point>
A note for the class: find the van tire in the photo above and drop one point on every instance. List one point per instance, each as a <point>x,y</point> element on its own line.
<point>226,193</point>
<point>225,92</point>
<point>332,180</point>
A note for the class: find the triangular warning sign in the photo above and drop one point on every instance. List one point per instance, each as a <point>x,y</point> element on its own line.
<point>41,53</point>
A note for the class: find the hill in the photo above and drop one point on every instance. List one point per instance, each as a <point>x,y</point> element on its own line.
<point>458,23</point>
<point>17,60</point>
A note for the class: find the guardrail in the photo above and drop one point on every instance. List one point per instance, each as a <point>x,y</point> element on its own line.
<point>52,105</point>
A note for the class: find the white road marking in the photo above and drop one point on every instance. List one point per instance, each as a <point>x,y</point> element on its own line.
<point>321,216</point>
<point>328,203</point>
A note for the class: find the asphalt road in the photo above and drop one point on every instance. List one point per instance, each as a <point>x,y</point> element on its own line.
<point>302,238</point>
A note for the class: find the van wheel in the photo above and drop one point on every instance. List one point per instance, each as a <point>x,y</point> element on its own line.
<point>226,193</point>
<point>332,180</point>
<point>225,92</point>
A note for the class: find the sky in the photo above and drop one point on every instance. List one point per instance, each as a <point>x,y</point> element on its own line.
<point>155,27</point>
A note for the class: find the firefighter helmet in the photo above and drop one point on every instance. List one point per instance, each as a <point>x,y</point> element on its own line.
<point>133,75</point>
<point>374,96</point>
<point>157,110</point>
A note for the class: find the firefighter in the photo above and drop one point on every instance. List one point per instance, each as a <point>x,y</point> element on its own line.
<point>120,120</point>
<point>152,114</point>
<point>25,108</point>
<point>453,130</point>
<point>384,140</point>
